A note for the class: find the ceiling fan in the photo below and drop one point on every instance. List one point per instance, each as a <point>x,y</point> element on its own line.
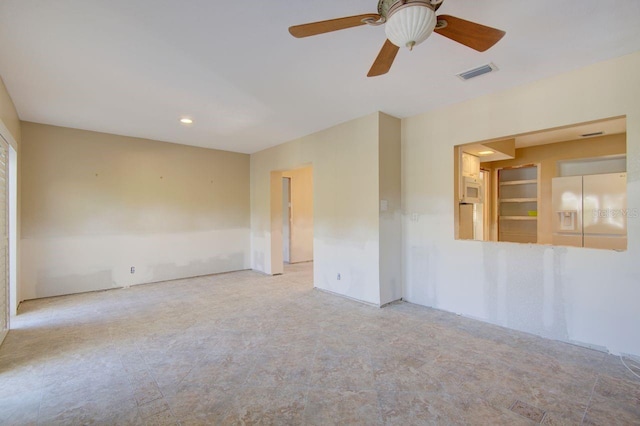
<point>407,24</point>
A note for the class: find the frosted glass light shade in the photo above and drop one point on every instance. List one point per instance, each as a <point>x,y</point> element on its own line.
<point>410,25</point>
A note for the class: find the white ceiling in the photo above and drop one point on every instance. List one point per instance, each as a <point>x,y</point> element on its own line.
<point>134,67</point>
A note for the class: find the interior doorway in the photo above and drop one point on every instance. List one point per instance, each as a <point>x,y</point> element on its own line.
<point>291,217</point>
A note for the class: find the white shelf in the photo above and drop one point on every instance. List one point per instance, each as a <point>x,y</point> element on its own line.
<point>518,238</point>
<point>519,182</point>
<point>518,190</point>
<point>518,217</point>
<point>518,200</point>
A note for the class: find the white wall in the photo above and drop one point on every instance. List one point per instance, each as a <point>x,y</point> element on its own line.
<point>577,295</point>
<point>94,205</point>
<point>345,205</point>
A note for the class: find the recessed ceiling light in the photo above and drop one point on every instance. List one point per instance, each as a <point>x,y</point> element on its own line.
<point>186,120</point>
<point>486,152</point>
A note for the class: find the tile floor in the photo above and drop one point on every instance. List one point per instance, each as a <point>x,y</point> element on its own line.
<point>244,348</point>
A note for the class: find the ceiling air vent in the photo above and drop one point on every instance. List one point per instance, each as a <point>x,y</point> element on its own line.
<point>476,72</point>
<point>587,135</point>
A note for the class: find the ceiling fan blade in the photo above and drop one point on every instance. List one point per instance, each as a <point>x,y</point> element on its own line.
<point>385,58</point>
<point>475,36</point>
<point>321,27</point>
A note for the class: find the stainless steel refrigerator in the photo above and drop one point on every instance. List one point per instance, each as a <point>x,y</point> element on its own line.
<point>590,211</point>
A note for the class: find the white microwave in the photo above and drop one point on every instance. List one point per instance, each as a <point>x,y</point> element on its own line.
<point>472,191</point>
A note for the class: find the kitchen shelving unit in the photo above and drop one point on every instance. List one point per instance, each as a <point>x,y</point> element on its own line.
<point>518,204</point>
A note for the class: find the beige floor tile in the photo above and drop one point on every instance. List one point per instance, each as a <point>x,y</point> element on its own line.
<point>202,403</point>
<point>78,409</point>
<point>405,373</point>
<point>615,401</point>
<point>244,348</point>
<point>341,407</point>
<point>435,408</point>
<point>273,370</point>
<point>352,372</point>
<point>267,405</point>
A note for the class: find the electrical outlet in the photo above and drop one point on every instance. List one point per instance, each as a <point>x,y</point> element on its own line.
<point>133,269</point>
<point>338,278</point>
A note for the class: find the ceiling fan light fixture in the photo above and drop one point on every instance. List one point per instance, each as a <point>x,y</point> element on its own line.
<point>410,23</point>
<point>407,24</point>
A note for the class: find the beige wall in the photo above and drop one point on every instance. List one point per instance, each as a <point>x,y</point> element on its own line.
<point>572,294</point>
<point>547,157</point>
<point>95,204</point>
<point>9,115</point>
<point>345,206</point>
<point>301,248</point>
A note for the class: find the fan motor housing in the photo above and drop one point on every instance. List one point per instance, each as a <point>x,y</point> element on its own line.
<point>386,6</point>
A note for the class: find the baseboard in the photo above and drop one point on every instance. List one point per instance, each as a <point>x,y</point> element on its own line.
<point>333,293</point>
<point>391,303</point>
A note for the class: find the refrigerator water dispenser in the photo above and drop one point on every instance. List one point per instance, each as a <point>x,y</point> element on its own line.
<point>567,220</point>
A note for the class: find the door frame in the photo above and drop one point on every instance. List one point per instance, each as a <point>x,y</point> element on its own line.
<point>287,216</point>
<point>12,229</point>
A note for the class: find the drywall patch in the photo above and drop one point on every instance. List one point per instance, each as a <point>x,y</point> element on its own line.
<point>214,265</point>
<point>422,270</point>
<point>71,262</point>
<point>556,296</point>
<point>48,282</point>
<point>258,263</point>
<point>358,279</point>
<point>524,288</point>
<point>494,267</point>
